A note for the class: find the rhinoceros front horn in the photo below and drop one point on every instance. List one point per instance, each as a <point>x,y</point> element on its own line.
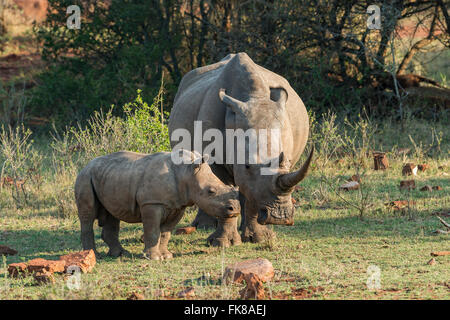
<point>289,180</point>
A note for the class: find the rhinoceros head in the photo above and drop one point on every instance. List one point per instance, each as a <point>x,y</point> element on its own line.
<point>210,194</point>
<point>269,195</point>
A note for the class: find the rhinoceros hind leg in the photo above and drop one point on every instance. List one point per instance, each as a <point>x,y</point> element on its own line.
<point>87,235</point>
<point>204,221</point>
<point>226,234</point>
<point>110,234</point>
<point>87,206</point>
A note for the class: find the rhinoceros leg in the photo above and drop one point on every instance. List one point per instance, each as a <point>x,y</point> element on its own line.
<point>204,221</point>
<point>252,230</point>
<point>163,242</point>
<point>226,234</point>
<point>170,222</point>
<point>87,206</point>
<point>110,234</point>
<point>151,218</point>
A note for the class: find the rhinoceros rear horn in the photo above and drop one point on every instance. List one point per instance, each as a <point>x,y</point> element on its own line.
<point>289,180</point>
<point>235,105</point>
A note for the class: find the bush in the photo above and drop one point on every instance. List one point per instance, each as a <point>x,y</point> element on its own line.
<point>21,162</point>
<point>143,130</point>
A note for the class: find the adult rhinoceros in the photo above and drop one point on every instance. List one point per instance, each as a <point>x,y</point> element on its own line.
<point>237,93</point>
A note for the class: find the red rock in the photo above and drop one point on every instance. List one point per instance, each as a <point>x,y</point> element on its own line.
<point>407,184</point>
<point>400,204</point>
<point>423,167</point>
<point>185,230</point>
<point>440,253</point>
<point>352,185</point>
<point>40,265</point>
<point>437,188</point>
<point>409,169</point>
<point>260,267</point>
<point>380,161</point>
<point>254,287</point>
<point>7,251</point>
<point>189,292</point>
<point>44,277</point>
<point>17,269</point>
<point>85,260</point>
<point>135,296</point>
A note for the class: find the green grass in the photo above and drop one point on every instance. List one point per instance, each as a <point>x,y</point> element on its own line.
<point>328,247</point>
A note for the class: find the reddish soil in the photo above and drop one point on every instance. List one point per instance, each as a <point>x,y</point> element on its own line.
<point>14,65</point>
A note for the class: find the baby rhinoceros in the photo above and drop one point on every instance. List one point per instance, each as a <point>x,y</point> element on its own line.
<point>152,189</point>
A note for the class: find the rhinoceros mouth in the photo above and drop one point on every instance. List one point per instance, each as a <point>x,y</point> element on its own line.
<point>276,215</point>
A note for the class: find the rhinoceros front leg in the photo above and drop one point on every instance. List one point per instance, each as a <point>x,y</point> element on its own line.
<point>163,242</point>
<point>252,231</point>
<point>151,218</point>
<point>226,233</point>
<point>204,221</point>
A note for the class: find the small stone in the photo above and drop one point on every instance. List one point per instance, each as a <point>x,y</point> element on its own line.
<point>352,185</point>
<point>438,188</point>
<point>40,265</point>
<point>409,169</point>
<point>185,230</point>
<point>7,251</point>
<point>85,260</point>
<point>44,277</point>
<point>426,188</point>
<point>432,262</point>
<point>260,267</point>
<point>17,269</point>
<point>254,288</point>
<point>407,184</point>
<point>135,296</point>
<point>423,167</point>
<point>187,293</point>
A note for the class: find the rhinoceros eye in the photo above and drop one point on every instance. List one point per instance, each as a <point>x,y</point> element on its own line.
<point>212,191</point>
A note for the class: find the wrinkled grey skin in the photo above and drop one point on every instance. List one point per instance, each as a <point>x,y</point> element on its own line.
<point>237,93</point>
<point>133,187</point>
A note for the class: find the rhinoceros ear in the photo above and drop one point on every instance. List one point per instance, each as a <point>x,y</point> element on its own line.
<point>235,105</point>
<point>283,161</point>
<point>278,95</point>
<point>196,164</point>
